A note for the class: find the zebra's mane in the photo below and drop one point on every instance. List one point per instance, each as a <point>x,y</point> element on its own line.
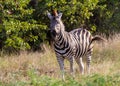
<point>62,26</point>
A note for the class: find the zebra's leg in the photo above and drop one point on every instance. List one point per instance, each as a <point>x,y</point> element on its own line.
<point>80,64</point>
<point>61,64</point>
<point>88,63</point>
<point>71,60</point>
<point>89,54</point>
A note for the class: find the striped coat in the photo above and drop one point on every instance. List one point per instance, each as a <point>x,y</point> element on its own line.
<point>71,45</point>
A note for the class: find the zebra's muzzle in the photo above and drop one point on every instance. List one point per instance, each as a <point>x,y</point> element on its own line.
<point>53,33</point>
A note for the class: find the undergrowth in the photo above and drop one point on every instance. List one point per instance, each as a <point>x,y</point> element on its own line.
<point>42,69</point>
<point>89,80</point>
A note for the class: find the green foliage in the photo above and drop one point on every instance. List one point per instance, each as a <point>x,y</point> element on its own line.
<point>24,27</point>
<point>75,13</point>
<point>107,16</point>
<point>21,31</point>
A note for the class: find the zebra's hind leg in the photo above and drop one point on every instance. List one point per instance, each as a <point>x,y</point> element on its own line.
<point>88,63</point>
<point>80,64</point>
<point>89,54</point>
<point>61,64</point>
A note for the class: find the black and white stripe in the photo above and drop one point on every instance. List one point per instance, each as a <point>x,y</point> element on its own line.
<point>71,45</point>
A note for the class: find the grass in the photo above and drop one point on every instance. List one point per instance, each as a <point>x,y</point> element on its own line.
<point>41,69</point>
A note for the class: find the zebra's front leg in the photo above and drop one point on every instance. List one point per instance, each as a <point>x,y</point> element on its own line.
<point>61,64</point>
<point>72,67</point>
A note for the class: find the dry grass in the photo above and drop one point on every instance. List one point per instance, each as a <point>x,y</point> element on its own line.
<point>105,61</point>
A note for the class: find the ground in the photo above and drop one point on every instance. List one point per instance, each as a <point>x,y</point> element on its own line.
<point>42,69</point>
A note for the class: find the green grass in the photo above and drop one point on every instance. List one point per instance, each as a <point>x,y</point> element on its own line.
<point>42,69</point>
<point>90,80</point>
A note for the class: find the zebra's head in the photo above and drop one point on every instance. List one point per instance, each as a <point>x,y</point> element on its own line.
<point>56,25</point>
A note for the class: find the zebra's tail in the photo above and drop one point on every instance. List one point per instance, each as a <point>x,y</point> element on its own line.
<point>98,38</point>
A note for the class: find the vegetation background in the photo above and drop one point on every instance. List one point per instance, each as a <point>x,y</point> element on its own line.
<point>24,26</point>
<point>24,23</point>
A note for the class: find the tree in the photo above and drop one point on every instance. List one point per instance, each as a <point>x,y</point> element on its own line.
<point>22,31</point>
<point>24,23</point>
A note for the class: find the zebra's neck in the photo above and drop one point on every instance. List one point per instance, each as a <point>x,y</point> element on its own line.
<point>62,38</point>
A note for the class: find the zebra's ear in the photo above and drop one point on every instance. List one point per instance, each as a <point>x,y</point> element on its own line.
<point>49,15</point>
<point>60,15</point>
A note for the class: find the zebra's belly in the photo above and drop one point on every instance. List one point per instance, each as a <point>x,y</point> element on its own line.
<point>64,53</point>
<point>70,52</point>
<point>81,51</point>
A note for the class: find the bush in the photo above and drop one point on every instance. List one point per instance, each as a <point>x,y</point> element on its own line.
<point>24,24</point>
<point>20,30</point>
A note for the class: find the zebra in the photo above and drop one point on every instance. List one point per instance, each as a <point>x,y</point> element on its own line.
<point>71,45</point>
